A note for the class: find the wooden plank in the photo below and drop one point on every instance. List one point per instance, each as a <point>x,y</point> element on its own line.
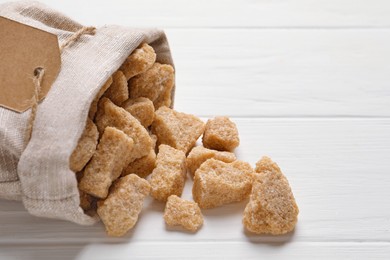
<point>229,13</point>
<point>282,73</point>
<point>200,250</point>
<point>338,169</point>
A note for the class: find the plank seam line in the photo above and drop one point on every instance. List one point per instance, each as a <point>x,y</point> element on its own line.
<point>335,117</point>
<point>276,27</point>
<point>121,242</point>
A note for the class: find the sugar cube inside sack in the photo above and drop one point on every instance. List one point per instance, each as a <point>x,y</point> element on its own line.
<point>106,165</point>
<point>85,148</point>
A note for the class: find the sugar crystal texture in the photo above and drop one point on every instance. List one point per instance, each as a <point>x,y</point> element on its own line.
<point>272,208</point>
<point>176,129</point>
<point>200,154</point>
<point>184,213</point>
<point>142,166</point>
<point>85,148</point>
<point>221,134</point>
<point>169,176</point>
<point>140,60</point>
<point>155,84</point>
<point>106,165</point>
<point>142,109</point>
<point>217,183</point>
<point>118,92</point>
<point>86,200</point>
<point>111,115</point>
<point>165,98</point>
<point>120,211</point>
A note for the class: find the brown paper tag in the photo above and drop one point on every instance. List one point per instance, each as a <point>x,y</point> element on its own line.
<point>22,50</point>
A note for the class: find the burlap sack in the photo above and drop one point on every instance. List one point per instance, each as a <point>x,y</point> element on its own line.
<point>39,174</point>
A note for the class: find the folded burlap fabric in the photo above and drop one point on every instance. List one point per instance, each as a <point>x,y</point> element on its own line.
<point>38,173</point>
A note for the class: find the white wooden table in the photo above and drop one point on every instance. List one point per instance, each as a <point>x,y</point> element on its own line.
<point>307,82</point>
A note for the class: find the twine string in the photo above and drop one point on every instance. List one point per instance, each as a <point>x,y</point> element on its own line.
<point>40,72</point>
<point>37,80</point>
<point>85,30</point>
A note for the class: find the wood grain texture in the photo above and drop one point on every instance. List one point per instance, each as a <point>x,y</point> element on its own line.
<point>200,250</point>
<point>282,73</point>
<point>229,13</point>
<point>338,169</point>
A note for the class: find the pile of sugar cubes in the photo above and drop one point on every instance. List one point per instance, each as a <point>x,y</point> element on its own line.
<point>134,145</point>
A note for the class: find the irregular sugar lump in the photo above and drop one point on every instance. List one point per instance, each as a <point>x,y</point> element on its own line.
<point>139,61</point>
<point>111,115</point>
<point>221,134</point>
<point>106,165</point>
<point>199,155</point>
<point>155,84</point>
<point>154,141</point>
<point>217,183</point>
<point>119,212</point>
<point>176,129</point>
<point>85,148</point>
<point>272,208</point>
<point>184,213</point>
<point>142,166</point>
<point>118,92</point>
<point>142,109</point>
<point>85,201</point>
<point>169,176</point>
<point>165,97</point>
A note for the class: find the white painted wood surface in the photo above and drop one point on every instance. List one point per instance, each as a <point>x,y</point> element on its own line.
<point>307,82</point>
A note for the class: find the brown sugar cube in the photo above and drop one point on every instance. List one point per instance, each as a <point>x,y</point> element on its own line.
<point>139,61</point>
<point>272,208</point>
<point>199,155</point>
<point>177,129</point>
<point>106,165</point>
<point>221,134</point>
<point>165,98</point>
<point>85,148</point>
<point>119,212</point>
<point>142,109</point>
<point>169,176</point>
<point>94,105</point>
<point>155,84</point>
<point>85,201</point>
<point>118,92</point>
<point>111,115</point>
<point>183,212</point>
<point>217,183</point>
<point>142,166</point>
<point>154,141</point>
<point>266,164</point>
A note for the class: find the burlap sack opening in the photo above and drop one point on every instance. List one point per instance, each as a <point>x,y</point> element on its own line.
<point>39,174</point>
